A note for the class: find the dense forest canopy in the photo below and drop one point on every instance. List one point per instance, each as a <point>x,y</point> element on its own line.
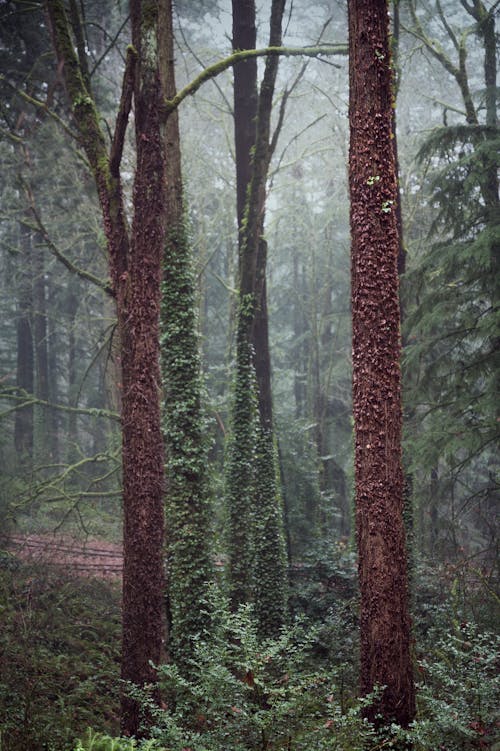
<point>182,284</point>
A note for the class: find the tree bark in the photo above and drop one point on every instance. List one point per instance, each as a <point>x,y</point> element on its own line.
<point>385,622</point>
<point>143,477</point>
<point>135,270</point>
<point>245,101</point>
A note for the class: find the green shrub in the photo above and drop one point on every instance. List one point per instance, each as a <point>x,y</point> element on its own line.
<point>101,742</point>
<point>59,670</point>
<point>459,692</point>
<point>251,694</point>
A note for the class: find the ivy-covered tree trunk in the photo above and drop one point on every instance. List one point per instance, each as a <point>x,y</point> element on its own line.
<point>385,621</point>
<point>187,501</point>
<point>135,270</point>
<point>257,555</point>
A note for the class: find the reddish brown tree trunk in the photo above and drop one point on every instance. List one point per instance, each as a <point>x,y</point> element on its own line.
<point>143,460</point>
<point>385,622</point>
<point>135,269</point>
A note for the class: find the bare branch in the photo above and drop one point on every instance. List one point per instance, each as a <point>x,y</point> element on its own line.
<point>236,57</point>
<point>39,227</point>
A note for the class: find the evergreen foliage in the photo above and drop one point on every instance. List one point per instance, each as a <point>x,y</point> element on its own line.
<point>453,333</point>
<point>59,657</point>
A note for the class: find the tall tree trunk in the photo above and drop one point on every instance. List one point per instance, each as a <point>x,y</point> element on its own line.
<point>385,622</point>
<point>53,373</point>
<point>135,269</point>
<point>255,505</point>
<point>143,479</point>
<point>299,330</point>
<point>187,503</point>
<point>71,311</point>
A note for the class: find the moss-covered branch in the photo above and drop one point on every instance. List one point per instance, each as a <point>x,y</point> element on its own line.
<point>23,399</point>
<point>236,57</point>
<point>40,105</point>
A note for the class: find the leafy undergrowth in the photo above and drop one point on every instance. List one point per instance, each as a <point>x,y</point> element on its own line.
<point>59,671</point>
<point>59,657</point>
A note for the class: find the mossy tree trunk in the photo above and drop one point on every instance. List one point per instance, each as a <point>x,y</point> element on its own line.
<point>385,622</point>
<point>257,556</point>
<point>135,270</point>
<point>188,521</point>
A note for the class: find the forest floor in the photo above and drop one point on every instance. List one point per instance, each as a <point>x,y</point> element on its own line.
<point>95,558</point>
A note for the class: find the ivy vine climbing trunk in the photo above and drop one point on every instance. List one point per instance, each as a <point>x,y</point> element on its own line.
<point>187,500</point>
<point>135,270</point>
<point>385,621</point>
<point>257,555</point>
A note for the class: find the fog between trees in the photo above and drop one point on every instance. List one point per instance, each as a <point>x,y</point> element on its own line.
<point>61,387</point>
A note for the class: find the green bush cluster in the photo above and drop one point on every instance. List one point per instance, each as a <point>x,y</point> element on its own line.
<point>59,647</point>
<point>59,653</point>
<point>251,694</point>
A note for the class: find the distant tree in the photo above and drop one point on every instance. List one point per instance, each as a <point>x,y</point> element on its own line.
<point>452,332</point>
<point>385,622</point>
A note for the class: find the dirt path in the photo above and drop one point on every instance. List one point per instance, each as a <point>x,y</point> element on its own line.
<point>96,558</point>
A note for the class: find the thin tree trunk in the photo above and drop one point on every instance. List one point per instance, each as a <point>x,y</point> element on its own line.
<point>40,337</point>
<point>71,311</point>
<point>385,622</point>
<point>23,426</point>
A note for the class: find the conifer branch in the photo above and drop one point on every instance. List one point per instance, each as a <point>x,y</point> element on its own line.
<point>24,399</point>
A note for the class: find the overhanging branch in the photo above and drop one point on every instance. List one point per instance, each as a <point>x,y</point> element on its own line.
<point>236,57</point>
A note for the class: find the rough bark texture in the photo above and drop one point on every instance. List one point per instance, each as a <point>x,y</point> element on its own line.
<point>142,439</point>
<point>135,269</point>
<point>245,99</point>
<point>385,622</point>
